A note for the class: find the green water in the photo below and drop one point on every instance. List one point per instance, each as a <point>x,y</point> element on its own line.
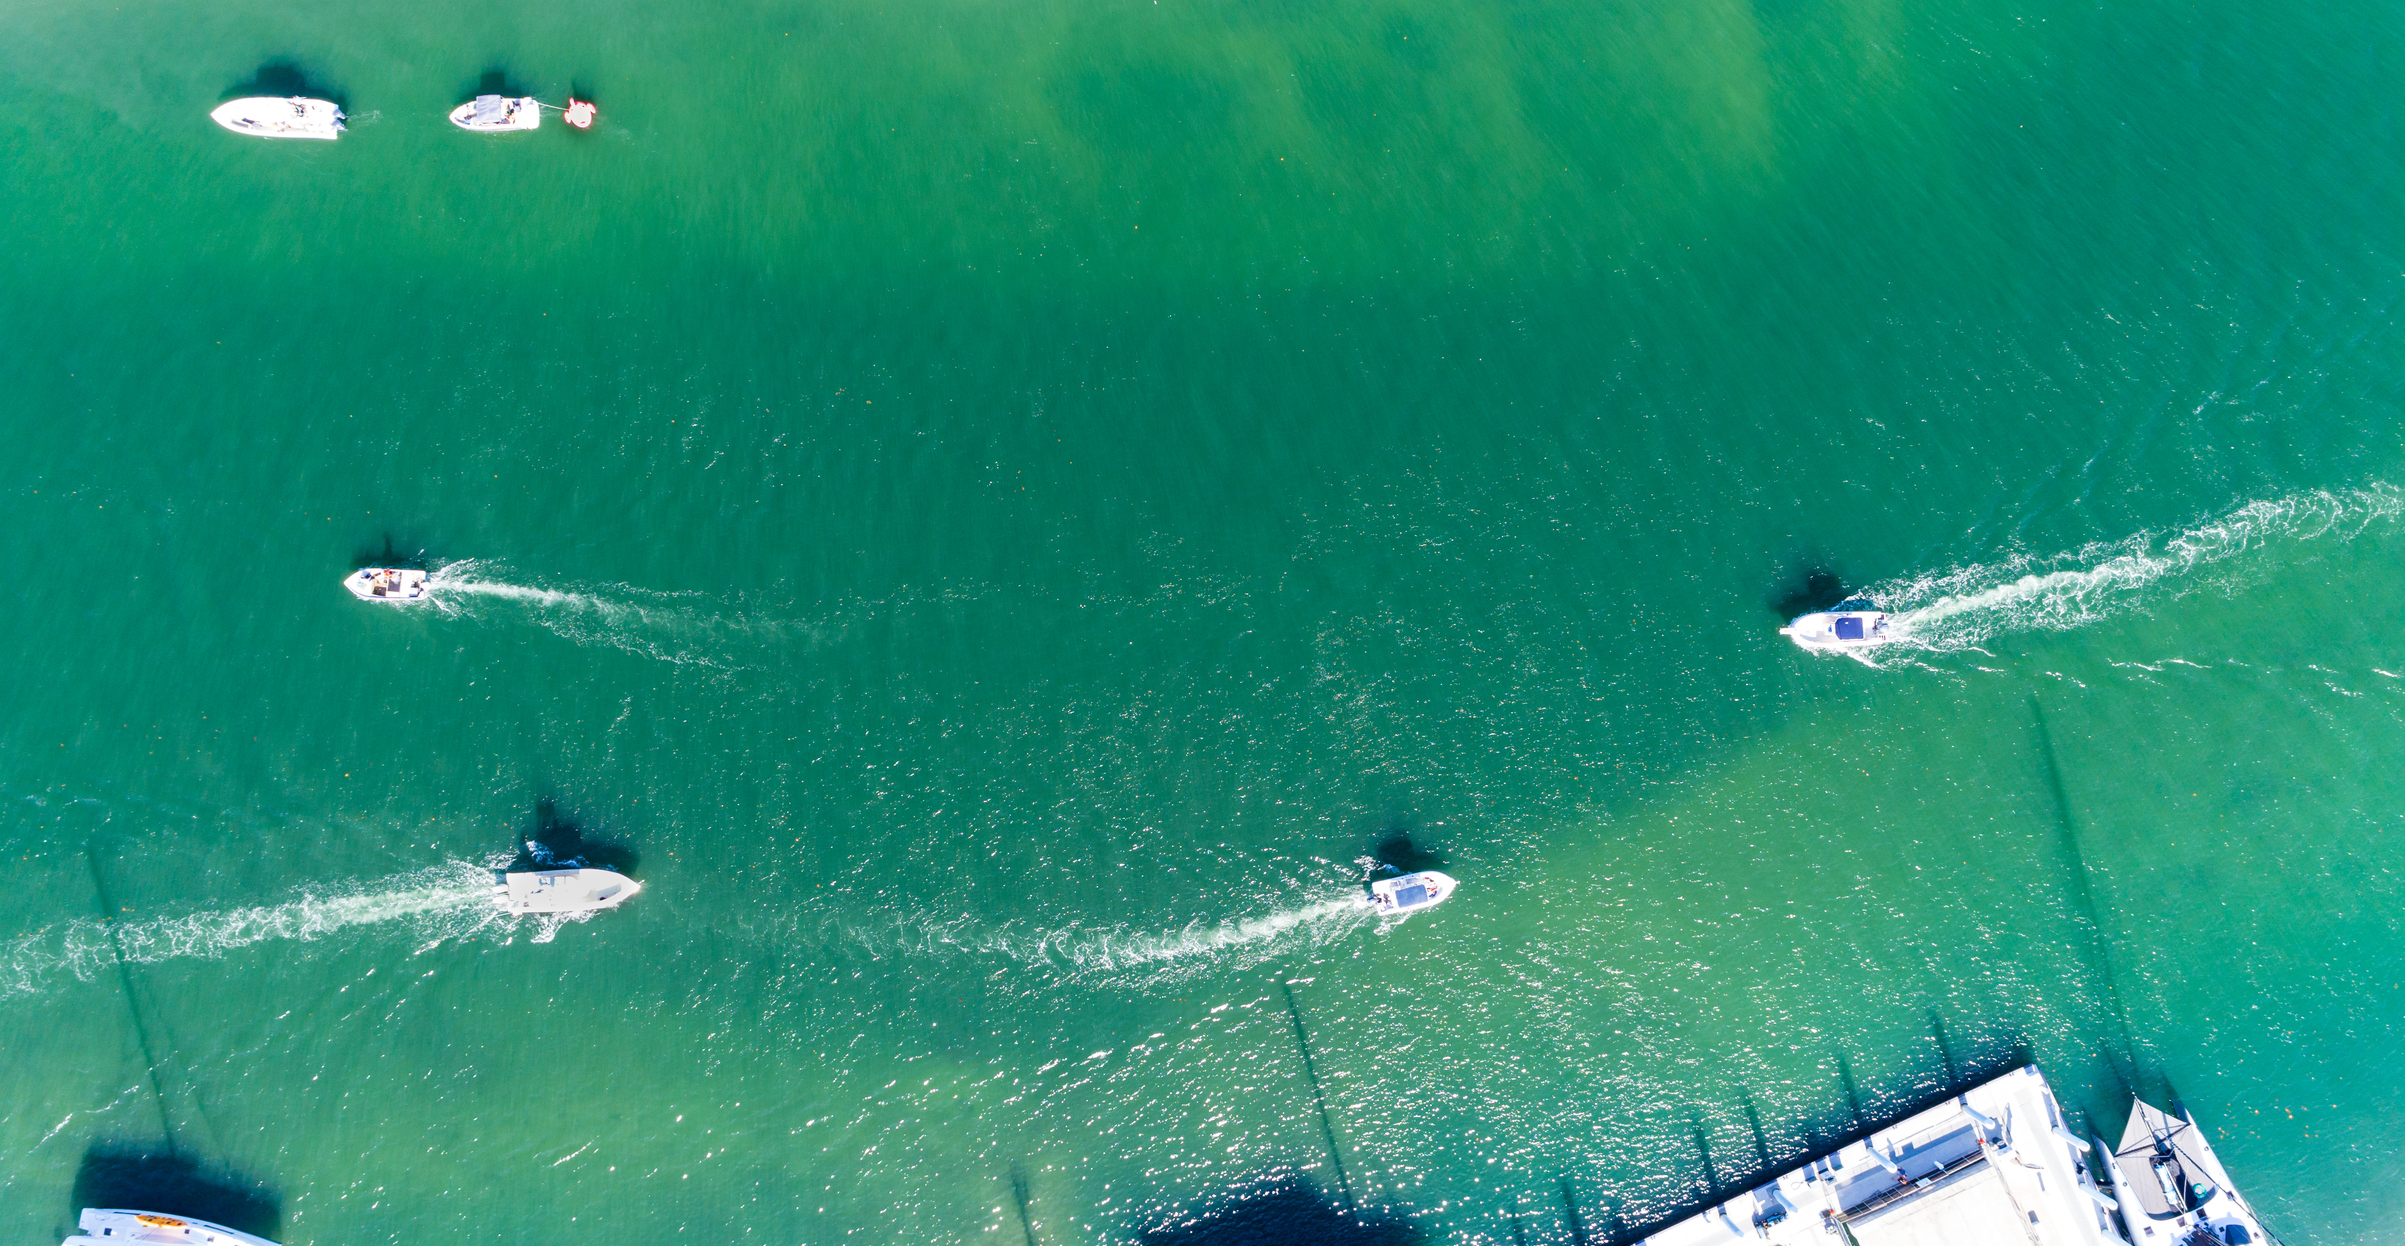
<point>999,510</point>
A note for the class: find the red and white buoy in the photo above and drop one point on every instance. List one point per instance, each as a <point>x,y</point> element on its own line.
<point>580,113</point>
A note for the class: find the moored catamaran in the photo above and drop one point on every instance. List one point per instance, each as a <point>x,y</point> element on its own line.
<point>108,1226</point>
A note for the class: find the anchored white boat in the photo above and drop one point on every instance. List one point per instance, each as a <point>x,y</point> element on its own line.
<point>107,1226</point>
<point>1851,625</point>
<point>268,117</point>
<point>582,890</point>
<point>497,114</point>
<point>398,585</point>
<point>2168,1178</point>
<point>1997,1165</point>
<point>1410,893</point>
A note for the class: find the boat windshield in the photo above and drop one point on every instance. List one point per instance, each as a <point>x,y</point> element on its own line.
<point>1406,897</point>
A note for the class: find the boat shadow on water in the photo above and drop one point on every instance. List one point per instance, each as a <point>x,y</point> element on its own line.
<point>496,80</point>
<point>389,556</point>
<point>1807,589</point>
<point>1403,850</point>
<point>1283,1211</point>
<point>564,842</point>
<point>283,78</point>
<point>116,1174</point>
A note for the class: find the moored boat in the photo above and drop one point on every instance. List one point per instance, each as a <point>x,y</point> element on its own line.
<point>579,890</point>
<point>1394,897</point>
<point>2167,1177</point>
<point>1856,624</point>
<point>269,117</point>
<point>104,1226</point>
<point>397,585</point>
<point>498,114</point>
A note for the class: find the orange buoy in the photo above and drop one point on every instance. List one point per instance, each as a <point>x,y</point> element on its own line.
<point>579,113</point>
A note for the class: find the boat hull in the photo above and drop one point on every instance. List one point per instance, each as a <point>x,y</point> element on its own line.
<point>265,117</point>
<point>108,1226</point>
<point>1840,629</point>
<point>1411,893</point>
<point>398,586</point>
<point>564,891</point>
<point>522,113</point>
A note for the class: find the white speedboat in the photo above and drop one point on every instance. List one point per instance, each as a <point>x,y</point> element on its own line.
<point>496,114</point>
<point>268,117</point>
<point>1851,625</point>
<point>398,585</point>
<point>106,1227</point>
<point>1393,897</point>
<point>582,890</point>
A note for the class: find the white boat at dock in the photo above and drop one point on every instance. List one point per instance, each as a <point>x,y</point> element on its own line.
<point>102,1226</point>
<point>1997,1165</point>
<point>578,890</point>
<point>394,585</point>
<point>498,114</point>
<point>1394,897</point>
<point>263,116</point>
<point>1848,625</point>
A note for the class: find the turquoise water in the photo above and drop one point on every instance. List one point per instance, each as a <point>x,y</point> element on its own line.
<point>998,511</point>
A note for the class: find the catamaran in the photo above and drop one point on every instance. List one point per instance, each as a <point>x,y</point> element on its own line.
<point>397,585</point>
<point>267,117</point>
<point>104,1226</point>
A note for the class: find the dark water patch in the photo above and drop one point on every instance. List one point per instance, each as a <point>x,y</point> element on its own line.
<point>135,1178</point>
<point>556,838</point>
<point>1807,588</point>
<point>389,553</point>
<point>1287,1211</point>
<point>284,77</point>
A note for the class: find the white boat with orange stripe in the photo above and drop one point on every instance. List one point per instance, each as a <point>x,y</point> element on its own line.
<point>108,1226</point>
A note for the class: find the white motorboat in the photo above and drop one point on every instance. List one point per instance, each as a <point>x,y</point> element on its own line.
<point>497,114</point>
<point>1393,897</point>
<point>269,117</point>
<point>1851,625</point>
<point>582,890</point>
<point>107,1227</point>
<point>398,585</point>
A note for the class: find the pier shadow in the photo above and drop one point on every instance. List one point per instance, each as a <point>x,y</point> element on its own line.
<point>564,839</point>
<point>136,1178</point>
<point>282,78</point>
<point>1805,589</point>
<point>1288,1211</point>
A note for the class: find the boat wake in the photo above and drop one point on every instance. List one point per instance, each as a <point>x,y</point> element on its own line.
<point>1121,954</point>
<point>684,628</point>
<point>1965,607</point>
<point>435,905</point>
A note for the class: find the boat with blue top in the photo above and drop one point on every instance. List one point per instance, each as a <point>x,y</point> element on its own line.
<point>1855,624</point>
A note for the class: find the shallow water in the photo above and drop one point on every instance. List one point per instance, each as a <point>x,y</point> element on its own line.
<point>997,513</point>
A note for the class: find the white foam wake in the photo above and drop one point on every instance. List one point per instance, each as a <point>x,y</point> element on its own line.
<point>1964,607</point>
<point>438,903</point>
<point>1123,952</point>
<point>685,628</point>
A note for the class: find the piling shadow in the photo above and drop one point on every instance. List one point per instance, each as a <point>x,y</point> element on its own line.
<point>566,842</point>
<point>282,77</point>
<point>1806,588</point>
<point>136,1178</point>
<point>1281,1212</point>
